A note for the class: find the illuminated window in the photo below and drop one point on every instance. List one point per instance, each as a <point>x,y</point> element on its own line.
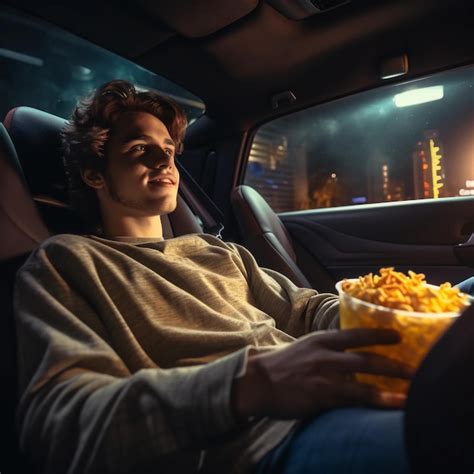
<point>395,143</point>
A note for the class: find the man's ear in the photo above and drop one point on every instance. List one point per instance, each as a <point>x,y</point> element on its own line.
<point>93,178</point>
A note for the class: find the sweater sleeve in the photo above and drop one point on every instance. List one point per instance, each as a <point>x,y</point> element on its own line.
<point>82,411</point>
<point>296,311</point>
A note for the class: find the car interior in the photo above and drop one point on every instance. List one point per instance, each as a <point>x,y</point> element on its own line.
<point>252,63</point>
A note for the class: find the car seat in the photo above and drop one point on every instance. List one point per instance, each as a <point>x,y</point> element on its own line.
<point>265,235</point>
<point>22,230</point>
<point>33,205</point>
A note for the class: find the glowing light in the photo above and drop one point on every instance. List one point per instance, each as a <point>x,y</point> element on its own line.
<point>470,188</point>
<point>419,96</point>
<point>435,167</point>
<point>333,175</point>
<point>24,58</point>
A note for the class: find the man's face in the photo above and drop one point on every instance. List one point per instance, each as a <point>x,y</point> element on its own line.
<point>141,178</point>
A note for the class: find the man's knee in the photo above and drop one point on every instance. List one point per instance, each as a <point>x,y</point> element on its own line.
<point>467,286</point>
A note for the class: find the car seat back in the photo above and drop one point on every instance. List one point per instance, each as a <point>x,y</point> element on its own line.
<point>22,230</point>
<point>265,235</point>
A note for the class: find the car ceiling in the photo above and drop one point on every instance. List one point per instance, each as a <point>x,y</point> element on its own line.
<point>236,55</point>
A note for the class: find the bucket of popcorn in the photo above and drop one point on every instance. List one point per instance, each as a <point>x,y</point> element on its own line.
<point>420,312</point>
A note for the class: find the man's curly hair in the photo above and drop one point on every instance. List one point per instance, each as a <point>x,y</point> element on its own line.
<point>86,133</point>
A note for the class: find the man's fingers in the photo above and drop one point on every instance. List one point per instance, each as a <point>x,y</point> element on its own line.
<point>390,400</point>
<point>359,337</point>
<point>359,394</point>
<point>365,362</point>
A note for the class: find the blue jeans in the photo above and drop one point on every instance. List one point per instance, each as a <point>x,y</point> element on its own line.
<point>467,286</point>
<point>342,441</point>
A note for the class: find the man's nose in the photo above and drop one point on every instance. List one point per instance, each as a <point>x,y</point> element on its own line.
<point>158,158</point>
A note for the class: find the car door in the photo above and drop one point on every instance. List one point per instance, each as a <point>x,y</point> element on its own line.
<point>418,236</point>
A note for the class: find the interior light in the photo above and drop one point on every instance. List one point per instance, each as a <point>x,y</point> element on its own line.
<point>419,96</point>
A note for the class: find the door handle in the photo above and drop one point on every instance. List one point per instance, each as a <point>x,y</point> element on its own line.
<point>465,252</point>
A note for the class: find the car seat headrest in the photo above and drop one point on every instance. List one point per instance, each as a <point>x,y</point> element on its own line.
<point>36,136</point>
<point>22,226</point>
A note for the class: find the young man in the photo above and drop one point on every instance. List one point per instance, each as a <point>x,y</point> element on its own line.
<point>138,354</point>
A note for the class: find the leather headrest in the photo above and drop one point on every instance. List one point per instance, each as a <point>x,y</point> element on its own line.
<point>8,152</point>
<point>22,227</point>
<point>36,136</point>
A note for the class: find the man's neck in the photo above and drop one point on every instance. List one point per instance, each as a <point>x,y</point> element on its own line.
<point>128,226</point>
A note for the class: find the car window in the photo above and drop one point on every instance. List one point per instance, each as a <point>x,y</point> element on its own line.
<point>47,68</point>
<point>396,143</point>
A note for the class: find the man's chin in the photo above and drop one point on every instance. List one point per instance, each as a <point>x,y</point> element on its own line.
<point>163,209</point>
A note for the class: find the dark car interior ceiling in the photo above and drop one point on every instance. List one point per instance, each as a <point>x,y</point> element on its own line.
<point>237,55</point>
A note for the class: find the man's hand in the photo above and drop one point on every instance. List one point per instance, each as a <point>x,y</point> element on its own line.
<point>314,374</point>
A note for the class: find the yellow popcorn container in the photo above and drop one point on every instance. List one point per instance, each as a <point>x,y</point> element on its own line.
<point>419,332</point>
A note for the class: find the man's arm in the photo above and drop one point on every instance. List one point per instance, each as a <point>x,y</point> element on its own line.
<point>314,373</point>
<point>82,410</point>
<point>297,311</point>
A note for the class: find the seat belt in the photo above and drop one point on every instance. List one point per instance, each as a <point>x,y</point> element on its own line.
<point>201,204</point>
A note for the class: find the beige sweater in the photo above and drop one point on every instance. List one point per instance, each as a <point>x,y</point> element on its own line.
<point>128,349</point>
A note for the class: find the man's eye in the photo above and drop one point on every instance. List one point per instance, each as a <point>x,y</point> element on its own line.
<point>140,147</point>
<point>169,152</point>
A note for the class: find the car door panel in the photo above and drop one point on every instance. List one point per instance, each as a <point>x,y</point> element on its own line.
<point>418,236</point>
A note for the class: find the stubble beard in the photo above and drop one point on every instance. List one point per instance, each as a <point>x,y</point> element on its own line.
<point>135,204</point>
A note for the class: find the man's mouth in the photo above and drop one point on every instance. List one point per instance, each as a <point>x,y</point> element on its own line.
<point>161,181</point>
